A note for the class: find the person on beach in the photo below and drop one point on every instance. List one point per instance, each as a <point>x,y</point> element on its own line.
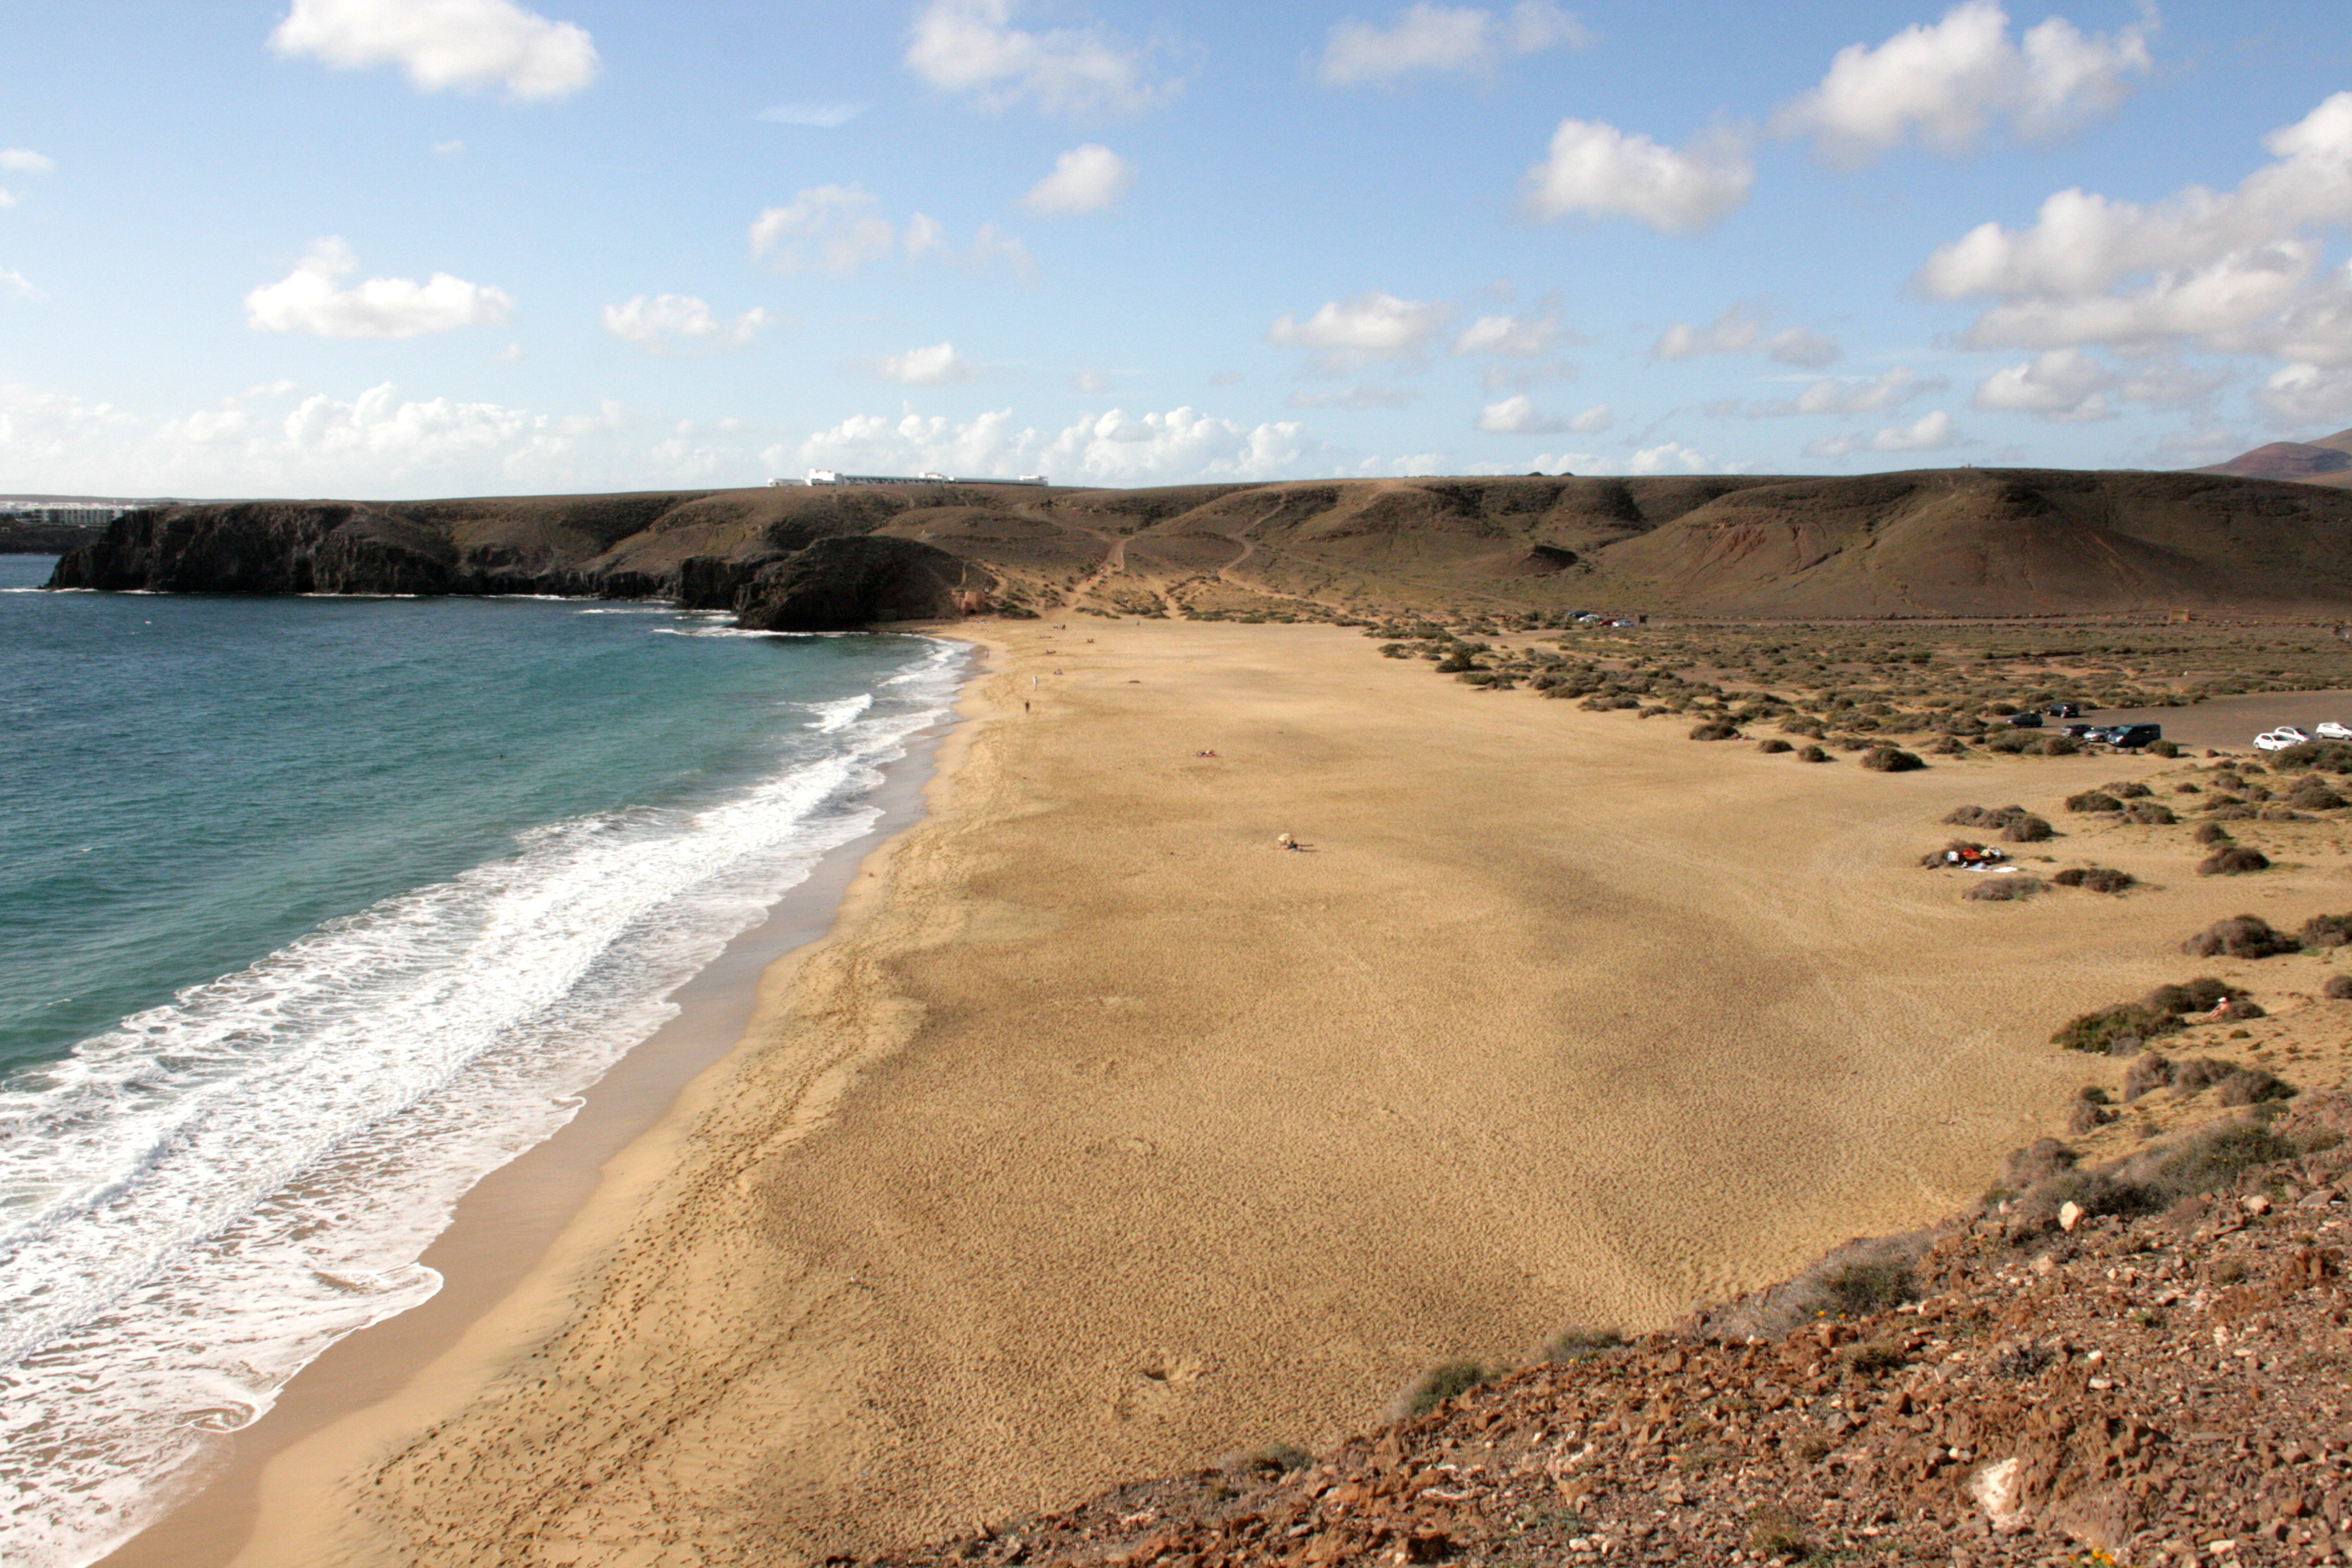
<point>1287,842</point>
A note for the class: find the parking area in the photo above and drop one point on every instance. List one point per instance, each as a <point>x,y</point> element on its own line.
<point>2231,723</point>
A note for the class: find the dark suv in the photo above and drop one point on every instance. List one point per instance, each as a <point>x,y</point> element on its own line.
<point>2029,719</point>
<point>2066,709</point>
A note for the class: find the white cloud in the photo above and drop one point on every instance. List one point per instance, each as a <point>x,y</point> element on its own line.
<point>1498,376</point>
<point>17,283</point>
<point>1367,395</point>
<point>1091,382</point>
<point>1673,457</point>
<point>2307,394</point>
<point>823,116</point>
<point>24,161</point>
<point>1946,85</point>
<point>451,149</point>
<point>7,200</point>
<point>1518,415</point>
<point>1367,326</point>
<point>1085,179</point>
<point>971,47</point>
<point>2067,385</point>
<point>938,365</point>
<point>310,300</point>
<point>837,229</point>
<point>1740,330</point>
<point>1597,169</point>
<point>1852,395</point>
<point>662,321</point>
<point>1115,447</point>
<point>1522,337</point>
<point>1425,37</point>
<point>2232,269</point>
<point>1931,432</point>
<point>444,43</point>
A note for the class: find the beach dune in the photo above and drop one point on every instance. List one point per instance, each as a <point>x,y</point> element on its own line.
<point>1104,1137</point>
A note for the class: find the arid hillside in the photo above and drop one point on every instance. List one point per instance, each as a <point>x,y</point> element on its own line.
<point>2326,461</point>
<point>1967,541</point>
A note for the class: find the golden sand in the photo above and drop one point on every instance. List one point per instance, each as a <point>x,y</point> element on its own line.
<point>1102,1137</point>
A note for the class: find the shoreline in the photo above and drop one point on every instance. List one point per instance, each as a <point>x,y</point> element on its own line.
<point>506,1223</point>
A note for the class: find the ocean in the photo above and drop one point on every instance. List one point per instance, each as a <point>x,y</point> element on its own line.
<point>312,912</point>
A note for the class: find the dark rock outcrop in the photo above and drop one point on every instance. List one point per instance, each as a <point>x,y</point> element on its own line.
<point>839,584</point>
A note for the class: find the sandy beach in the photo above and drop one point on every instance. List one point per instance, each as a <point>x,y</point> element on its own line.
<point>1102,1137</point>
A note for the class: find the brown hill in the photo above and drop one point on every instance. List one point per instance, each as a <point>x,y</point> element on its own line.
<point>2326,461</point>
<point>1944,541</point>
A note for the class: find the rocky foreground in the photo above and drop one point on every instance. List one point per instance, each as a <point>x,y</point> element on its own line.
<point>2058,1377</point>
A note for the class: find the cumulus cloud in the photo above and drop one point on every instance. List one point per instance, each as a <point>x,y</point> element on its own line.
<point>1085,179</point>
<point>1931,432</point>
<point>1369,327</point>
<point>1740,330</point>
<point>662,322</point>
<point>1946,85</point>
<point>1114,447</point>
<point>1425,39</point>
<point>972,48</point>
<point>1523,337</point>
<point>24,161</point>
<point>1519,417</point>
<point>444,43</point>
<point>2067,385</point>
<point>1499,375</point>
<point>311,299</point>
<point>2308,395</point>
<point>1673,457</point>
<point>1367,395</point>
<point>2233,270</point>
<point>839,230</point>
<point>1595,168</point>
<point>936,366</point>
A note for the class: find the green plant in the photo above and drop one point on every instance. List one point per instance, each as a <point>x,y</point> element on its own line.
<point>1582,1344</point>
<point>1441,1383</point>
<point>1858,1289</point>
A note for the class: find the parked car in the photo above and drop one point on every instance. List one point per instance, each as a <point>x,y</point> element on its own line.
<point>2029,719</point>
<point>2067,709</point>
<point>2131,737</point>
<point>2329,729</point>
<point>2085,732</point>
<point>2280,739</point>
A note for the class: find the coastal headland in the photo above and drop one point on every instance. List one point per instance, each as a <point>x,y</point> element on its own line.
<point>1103,1137</point>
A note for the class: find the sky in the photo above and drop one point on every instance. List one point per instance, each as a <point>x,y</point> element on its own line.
<point>395,248</point>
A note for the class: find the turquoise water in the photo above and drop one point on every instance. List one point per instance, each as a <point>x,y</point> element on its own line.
<point>313,910</point>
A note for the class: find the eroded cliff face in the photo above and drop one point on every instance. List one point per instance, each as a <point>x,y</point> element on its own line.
<point>776,579</point>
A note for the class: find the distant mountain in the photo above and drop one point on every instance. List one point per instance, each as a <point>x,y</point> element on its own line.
<point>2326,461</point>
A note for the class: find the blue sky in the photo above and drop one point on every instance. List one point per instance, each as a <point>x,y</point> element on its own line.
<point>404,248</point>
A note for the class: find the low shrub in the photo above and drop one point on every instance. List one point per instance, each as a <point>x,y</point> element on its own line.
<point>1440,1383</point>
<point>2220,1158</point>
<point>2095,879</point>
<point>2128,790</point>
<point>1715,729</point>
<point>2326,930</point>
<point>1891,759</point>
<point>2232,811</point>
<point>2314,756</point>
<point>2213,833</point>
<point>2060,746</point>
<point>2283,814</point>
<point>2027,829</point>
<point>2235,861</point>
<point>1948,747</point>
<point>1858,1289</point>
<point>2239,936</point>
<point>2317,796</point>
<point>2164,748</point>
<point>2149,814</point>
<point>1582,1344</point>
<point>1272,1460</point>
<point>2338,988</point>
<point>2003,890</point>
<point>2129,1025</point>
<point>1813,755</point>
<point>2094,800</point>
<point>1774,748</point>
<point>2008,745</point>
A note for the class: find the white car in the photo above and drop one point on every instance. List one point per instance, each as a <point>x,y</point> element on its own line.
<point>2280,739</point>
<point>2329,729</point>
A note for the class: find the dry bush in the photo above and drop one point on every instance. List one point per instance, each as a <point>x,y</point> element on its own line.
<point>2003,890</point>
<point>1441,1383</point>
<point>2028,829</point>
<point>1860,1288</point>
<point>1948,747</point>
<point>2283,814</point>
<point>2314,756</point>
<point>2129,791</point>
<point>1582,1344</point>
<point>2094,800</point>
<point>2326,930</point>
<point>2122,1029</point>
<point>2148,812</point>
<point>1773,748</point>
<point>2164,748</point>
<point>2061,746</point>
<point>1715,729</point>
<point>2213,833</point>
<point>2316,797</point>
<point>1972,816</point>
<point>2094,878</point>
<point>1813,755</point>
<point>2239,936</point>
<point>2338,988</point>
<point>1891,759</point>
<point>2235,861</point>
<point>2232,811</point>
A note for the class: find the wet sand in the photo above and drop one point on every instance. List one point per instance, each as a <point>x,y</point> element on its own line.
<point>1101,1137</point>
